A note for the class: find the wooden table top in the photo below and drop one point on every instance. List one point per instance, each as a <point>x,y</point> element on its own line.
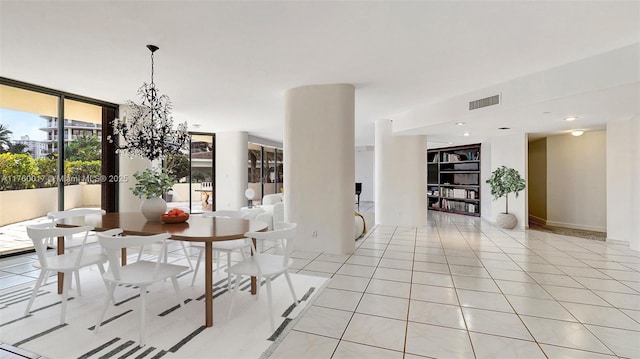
<point>196,229</point>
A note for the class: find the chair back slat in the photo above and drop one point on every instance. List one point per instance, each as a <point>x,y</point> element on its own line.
<point>39,233</point>
<point>57,215</point>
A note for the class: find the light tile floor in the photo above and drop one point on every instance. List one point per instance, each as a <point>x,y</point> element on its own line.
<point>459,288</point>
<point>462,288</point>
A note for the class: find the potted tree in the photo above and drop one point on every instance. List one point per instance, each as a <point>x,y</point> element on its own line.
<point>503,181</point>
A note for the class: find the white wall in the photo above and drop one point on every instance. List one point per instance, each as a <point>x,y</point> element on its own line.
<point>319,172</point>
<point>128,202</point>
<point>400,176</point>
<point>576,181</point>
<point>365,164</point>
<point>623,181</point>
<point>510,151</point>
<point>231,170</point>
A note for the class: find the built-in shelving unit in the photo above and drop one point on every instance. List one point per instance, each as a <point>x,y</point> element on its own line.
<point>453,179</point>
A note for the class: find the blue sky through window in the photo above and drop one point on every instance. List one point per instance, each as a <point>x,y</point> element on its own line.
<point>23,123</point>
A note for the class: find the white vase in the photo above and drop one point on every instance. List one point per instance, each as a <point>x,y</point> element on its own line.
<point>153,208</point>
<point>506,220</point>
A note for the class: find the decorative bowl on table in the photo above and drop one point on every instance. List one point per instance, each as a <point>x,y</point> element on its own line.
<point>175,216</point>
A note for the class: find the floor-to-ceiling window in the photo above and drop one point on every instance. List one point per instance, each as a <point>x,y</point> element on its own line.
<point>254,175</point>
<point>47,164</point>
<point>82,135</point>
<point>265,168</point>
<point>279,169</point>
<point>28,158</point>
<point>201,184</point>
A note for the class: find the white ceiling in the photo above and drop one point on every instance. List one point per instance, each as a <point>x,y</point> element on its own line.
<point>226,65</point>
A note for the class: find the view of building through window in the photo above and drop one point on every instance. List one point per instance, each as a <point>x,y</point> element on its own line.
<point>31,151</point>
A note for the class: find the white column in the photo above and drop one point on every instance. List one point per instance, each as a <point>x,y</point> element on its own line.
<point>231,170</point>
<point>400,177</point>
<point>623,182</point>
<point>319,173</point>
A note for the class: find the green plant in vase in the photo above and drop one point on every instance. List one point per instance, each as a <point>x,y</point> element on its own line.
<point>503,181</point>
<point>151,185</point>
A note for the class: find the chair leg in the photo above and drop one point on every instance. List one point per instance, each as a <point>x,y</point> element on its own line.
<point>269,299</point>
<point>293,292</point>
<point>106,284</point>
<point>65,295</point>
<point>140,253</point>
<point>195,271</point>
<point>258,280</point>
<point>43,275</point>
<point>236,286</point>
<point>228,266</point>
<point>107,300</point>
<point>143,313</point>
<point>186,254</point>
<point>77,275</point>
<point>217,261</point>
<point>176,287</point>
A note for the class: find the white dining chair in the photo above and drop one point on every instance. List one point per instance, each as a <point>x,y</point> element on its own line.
<point>226,247</point>
<point>141,273</point>
<point>71,244</point>
<point>65,263</point>
<point>267,266</point>
<point>166,251</point>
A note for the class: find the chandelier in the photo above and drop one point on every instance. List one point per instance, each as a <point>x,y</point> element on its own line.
<point>147,131</point>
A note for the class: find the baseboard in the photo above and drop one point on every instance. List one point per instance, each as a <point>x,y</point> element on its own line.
<point>488,220</point>
<point>537,220</point>
<point>577,226</point>
<point>617,241</point>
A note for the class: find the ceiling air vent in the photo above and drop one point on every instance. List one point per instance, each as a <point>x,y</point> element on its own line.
<point>484,102</point>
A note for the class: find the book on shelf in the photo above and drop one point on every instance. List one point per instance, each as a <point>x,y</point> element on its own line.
<point>459,206</point>
<point>459,193</point>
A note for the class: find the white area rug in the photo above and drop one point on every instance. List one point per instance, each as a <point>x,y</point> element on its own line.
<point>172,332</point>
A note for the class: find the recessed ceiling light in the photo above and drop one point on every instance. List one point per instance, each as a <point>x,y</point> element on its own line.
<point>504,128</point>
<point>577,133</point>
<point>459,123</point>
<point>572,118</point>
<point>467,134</point>
<point>451,143</point>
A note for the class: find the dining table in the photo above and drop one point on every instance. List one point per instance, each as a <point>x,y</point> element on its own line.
<point>195,229</point>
